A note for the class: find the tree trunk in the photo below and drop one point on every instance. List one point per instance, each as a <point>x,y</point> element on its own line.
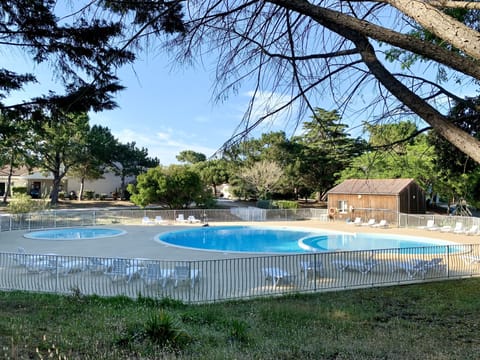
<point>9,182</point>
<point>122,188</point>
<point>357,31</point>
<point>82,187</point>
<point>444,127</point>
<point>441,24</point>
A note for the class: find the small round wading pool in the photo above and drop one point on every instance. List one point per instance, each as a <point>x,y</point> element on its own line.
<point>284,240</point>
<point>74,234</point>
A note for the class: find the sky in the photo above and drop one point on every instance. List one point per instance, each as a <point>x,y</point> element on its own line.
<point>170,111</point>
<point>166,109</point>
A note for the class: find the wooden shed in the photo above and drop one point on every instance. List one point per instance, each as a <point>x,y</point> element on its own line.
<point>376,198</point>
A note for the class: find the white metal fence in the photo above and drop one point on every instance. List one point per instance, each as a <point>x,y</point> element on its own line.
<point>63,218</point>
<point>237,278</point>
<point>225,279</point>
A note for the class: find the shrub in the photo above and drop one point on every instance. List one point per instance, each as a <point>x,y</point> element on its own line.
<point>162,328</point>
<point>266,204</point>
<point>286,204</point>
<point>16,190</point>
<point>89,194</point>
<point>22,204</point>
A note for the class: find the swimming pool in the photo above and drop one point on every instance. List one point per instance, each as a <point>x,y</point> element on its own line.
<point>74,234</point>
<point>286,240</point>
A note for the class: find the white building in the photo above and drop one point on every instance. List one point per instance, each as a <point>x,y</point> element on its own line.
<point>41,183</point>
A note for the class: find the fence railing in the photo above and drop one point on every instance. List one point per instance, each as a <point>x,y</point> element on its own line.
<point>63,218</point>
<point>230,278</point>
<point>236,278</point>
<point>419,220</point>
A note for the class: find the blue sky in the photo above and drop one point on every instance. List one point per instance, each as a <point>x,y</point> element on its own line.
<point>169,111</point>
<point>162,109</point>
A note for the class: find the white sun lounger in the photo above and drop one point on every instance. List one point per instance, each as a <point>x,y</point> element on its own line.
<point>185,274</point>
<point>382,224</point>
<point>181,218</point>
<point>414,267</point>
<point>277,275</point>
<point>147,221</point>
<point>357,221</point>
<point>155,274</point>
<point>160,221</point>
<point>191,219</point>
<point>362,266</point>
<point>430,226</point>
<point>370,222</point>
<point>459,228</point>
<point>472,231</point>
<point>311,269</point>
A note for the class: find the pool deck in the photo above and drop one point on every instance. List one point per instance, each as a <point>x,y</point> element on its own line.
<point>139,241</point>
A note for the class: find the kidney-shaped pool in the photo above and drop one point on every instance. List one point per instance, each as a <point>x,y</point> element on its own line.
<point>287,240</point>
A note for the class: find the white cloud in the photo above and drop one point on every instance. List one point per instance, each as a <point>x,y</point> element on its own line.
<point>165,145</point>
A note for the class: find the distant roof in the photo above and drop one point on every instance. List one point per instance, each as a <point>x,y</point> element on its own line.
<point>372,186</point>
<point>20,171</point>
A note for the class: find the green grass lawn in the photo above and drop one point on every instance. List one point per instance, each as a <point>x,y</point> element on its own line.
<point>438,320</point>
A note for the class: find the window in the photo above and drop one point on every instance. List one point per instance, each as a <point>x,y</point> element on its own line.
<point>342,206</point>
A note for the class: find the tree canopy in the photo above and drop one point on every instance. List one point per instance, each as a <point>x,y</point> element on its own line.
<point>83,43</point>
<point>309,51</point>
<point>175,186</point>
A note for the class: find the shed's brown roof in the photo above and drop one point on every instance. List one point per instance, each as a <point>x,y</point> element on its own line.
<point>371,186</point>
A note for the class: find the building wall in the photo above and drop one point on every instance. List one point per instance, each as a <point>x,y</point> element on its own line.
<point>363,201</point>
<point>413,200</point>
<point>109,184</point>
<point>364,206</point>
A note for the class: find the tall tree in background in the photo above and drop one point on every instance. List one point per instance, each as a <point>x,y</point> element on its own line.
<point>459,174</point>
<point>264,176</point>
<point>308,51</point>
<point>327,150</point>
<point>15,140</point>
<point>191,157</point>
<point>395,151</point>
<point>272,147</point>
<point>83,43</point>
<point>129,160</point>
<point>58,145</point>
<point>95,157</point>
<point>214,172</point>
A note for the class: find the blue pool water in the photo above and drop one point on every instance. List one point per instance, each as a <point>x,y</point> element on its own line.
<point>74,233</point>
<point>283,240</point>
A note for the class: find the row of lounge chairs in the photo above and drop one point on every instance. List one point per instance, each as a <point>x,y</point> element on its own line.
<point>120,269</point>
<point>372,223</point>
<point>152,273</point>
<point>412,267</point>
<point>158,220</point>
<point>457,229</point>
